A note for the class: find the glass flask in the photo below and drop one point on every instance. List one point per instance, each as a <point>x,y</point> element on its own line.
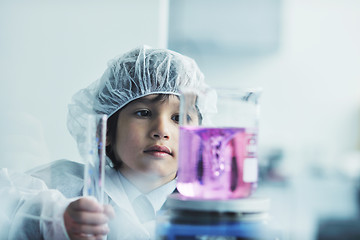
<point>218,143</point>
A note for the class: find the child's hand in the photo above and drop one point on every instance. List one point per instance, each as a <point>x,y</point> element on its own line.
<point>87,219</point>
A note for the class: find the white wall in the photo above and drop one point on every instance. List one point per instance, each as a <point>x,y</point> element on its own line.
<point>310,106</point>
<point>51,49</point>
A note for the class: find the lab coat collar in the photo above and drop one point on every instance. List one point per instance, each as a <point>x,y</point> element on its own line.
<point>157,197</point>
<point>130,189</point>
<point>115,189</point>
<point>127,225</point>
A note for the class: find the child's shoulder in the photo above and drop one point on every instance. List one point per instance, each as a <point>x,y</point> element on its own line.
<point>64,175</point>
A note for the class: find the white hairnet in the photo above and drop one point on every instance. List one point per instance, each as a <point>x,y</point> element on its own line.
<point>137,73</point>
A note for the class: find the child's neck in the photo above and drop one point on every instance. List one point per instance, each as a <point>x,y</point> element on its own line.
<point>145,183</point>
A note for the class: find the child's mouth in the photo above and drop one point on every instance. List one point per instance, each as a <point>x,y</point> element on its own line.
<point>158,150</point>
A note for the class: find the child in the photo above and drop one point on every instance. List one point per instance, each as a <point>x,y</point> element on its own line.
<point>140,94</point>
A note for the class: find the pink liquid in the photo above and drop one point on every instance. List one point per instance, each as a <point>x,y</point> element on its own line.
<point>217,163</point>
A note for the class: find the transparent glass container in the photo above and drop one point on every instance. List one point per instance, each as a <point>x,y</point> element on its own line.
<point>218,143</point>
<point>94,156</point>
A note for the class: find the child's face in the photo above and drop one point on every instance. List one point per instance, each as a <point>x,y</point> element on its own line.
<point>147,137</point>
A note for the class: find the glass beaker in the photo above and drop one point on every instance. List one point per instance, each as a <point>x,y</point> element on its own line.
<point>218,142</point>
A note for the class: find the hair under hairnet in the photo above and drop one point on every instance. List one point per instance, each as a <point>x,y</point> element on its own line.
<point>135,74</point>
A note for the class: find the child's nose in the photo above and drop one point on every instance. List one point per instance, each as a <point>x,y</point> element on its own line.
<point>160,129</point>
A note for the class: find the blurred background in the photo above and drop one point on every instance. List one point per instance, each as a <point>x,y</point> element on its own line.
<point>304,54</point>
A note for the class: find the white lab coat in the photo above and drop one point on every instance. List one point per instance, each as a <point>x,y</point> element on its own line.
<point>53,187</point>
<point>25,200</point>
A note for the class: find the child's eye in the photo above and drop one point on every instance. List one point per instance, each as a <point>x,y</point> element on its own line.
<point>176,118</point>
<point>143,113</point>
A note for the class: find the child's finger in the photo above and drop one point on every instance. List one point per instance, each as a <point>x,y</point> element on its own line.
<point>86,237</point>
<point>82,229</point>
<point>86,204</point>
<point>89,218</point>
